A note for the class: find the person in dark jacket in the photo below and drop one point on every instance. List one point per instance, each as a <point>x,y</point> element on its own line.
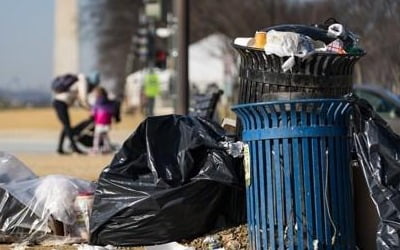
<point>75,90</point>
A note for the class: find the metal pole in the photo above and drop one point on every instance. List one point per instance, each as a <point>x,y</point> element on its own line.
<point>182,12</point>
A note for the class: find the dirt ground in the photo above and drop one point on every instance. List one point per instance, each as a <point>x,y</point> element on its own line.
<point>35,124</point>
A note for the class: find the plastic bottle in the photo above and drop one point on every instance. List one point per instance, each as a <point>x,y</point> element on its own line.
<point>83,209</point>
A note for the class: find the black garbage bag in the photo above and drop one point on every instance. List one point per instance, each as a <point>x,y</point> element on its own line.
<point>170,181</point>
<point>378,151</point>
<point>315,33</point>
<point>319,32</point>
<point>17,220</point>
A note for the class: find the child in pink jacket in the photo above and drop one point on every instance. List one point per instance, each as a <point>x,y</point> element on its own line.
<point>102,112</point>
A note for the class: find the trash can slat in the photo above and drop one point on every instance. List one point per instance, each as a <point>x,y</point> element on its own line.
<point>325,201</point>
<point>256,196</point>
<point>264,236</point>
<point>278,188</point>
<point>270,194</point>
<point>288,193</point>
<point>297,181</point>
<point>316,179</point>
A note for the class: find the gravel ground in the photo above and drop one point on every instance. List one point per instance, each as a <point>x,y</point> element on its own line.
<point>230,239</point>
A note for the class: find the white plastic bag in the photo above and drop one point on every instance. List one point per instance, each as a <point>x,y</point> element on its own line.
<point>57,193</point>
<point>288,44</point>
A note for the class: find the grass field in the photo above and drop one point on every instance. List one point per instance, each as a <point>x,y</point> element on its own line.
<point>45,119</point>
<point>40,123</point>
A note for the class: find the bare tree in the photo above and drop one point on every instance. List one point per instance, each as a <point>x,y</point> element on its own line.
<point>110,25</point>
<point>378,24</point>
<point>242,18</point>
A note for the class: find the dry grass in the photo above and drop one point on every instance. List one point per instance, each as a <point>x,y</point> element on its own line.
<point>45,119</point>
<point>42,123</point>
<point>84,167</point>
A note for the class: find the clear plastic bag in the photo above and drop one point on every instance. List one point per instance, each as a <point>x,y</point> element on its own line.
<point>31,206</point>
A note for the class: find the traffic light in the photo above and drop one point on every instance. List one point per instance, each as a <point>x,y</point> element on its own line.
<point>161,59</point>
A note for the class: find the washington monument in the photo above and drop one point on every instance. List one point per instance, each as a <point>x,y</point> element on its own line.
<point>66,37</point>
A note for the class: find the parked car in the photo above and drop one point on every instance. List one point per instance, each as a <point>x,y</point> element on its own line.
<point>384,102</point>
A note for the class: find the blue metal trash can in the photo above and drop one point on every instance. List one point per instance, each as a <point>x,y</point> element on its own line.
<point>299,194</point>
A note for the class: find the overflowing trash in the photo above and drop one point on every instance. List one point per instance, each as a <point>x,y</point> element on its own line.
<point>171,180</point>
<point>33,208</point>
<point>175,178</point>
<point>314,61</point>
<point>303,41</point>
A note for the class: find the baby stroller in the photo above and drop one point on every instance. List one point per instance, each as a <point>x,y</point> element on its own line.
<point>84,132</point>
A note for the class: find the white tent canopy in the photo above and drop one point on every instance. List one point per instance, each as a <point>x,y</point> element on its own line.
<point>207,64</point>
<point>206,61</point>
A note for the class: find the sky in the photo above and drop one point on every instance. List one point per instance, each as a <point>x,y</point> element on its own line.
<point>26,43</point>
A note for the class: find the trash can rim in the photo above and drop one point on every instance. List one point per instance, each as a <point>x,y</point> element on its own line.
<point>236,46</point>
<point>245,47</point>
<point>245,105</point>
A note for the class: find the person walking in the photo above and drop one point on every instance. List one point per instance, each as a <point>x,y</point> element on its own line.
<point>102,112</point>
<point>67,89</point>
<point>151,90</point>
